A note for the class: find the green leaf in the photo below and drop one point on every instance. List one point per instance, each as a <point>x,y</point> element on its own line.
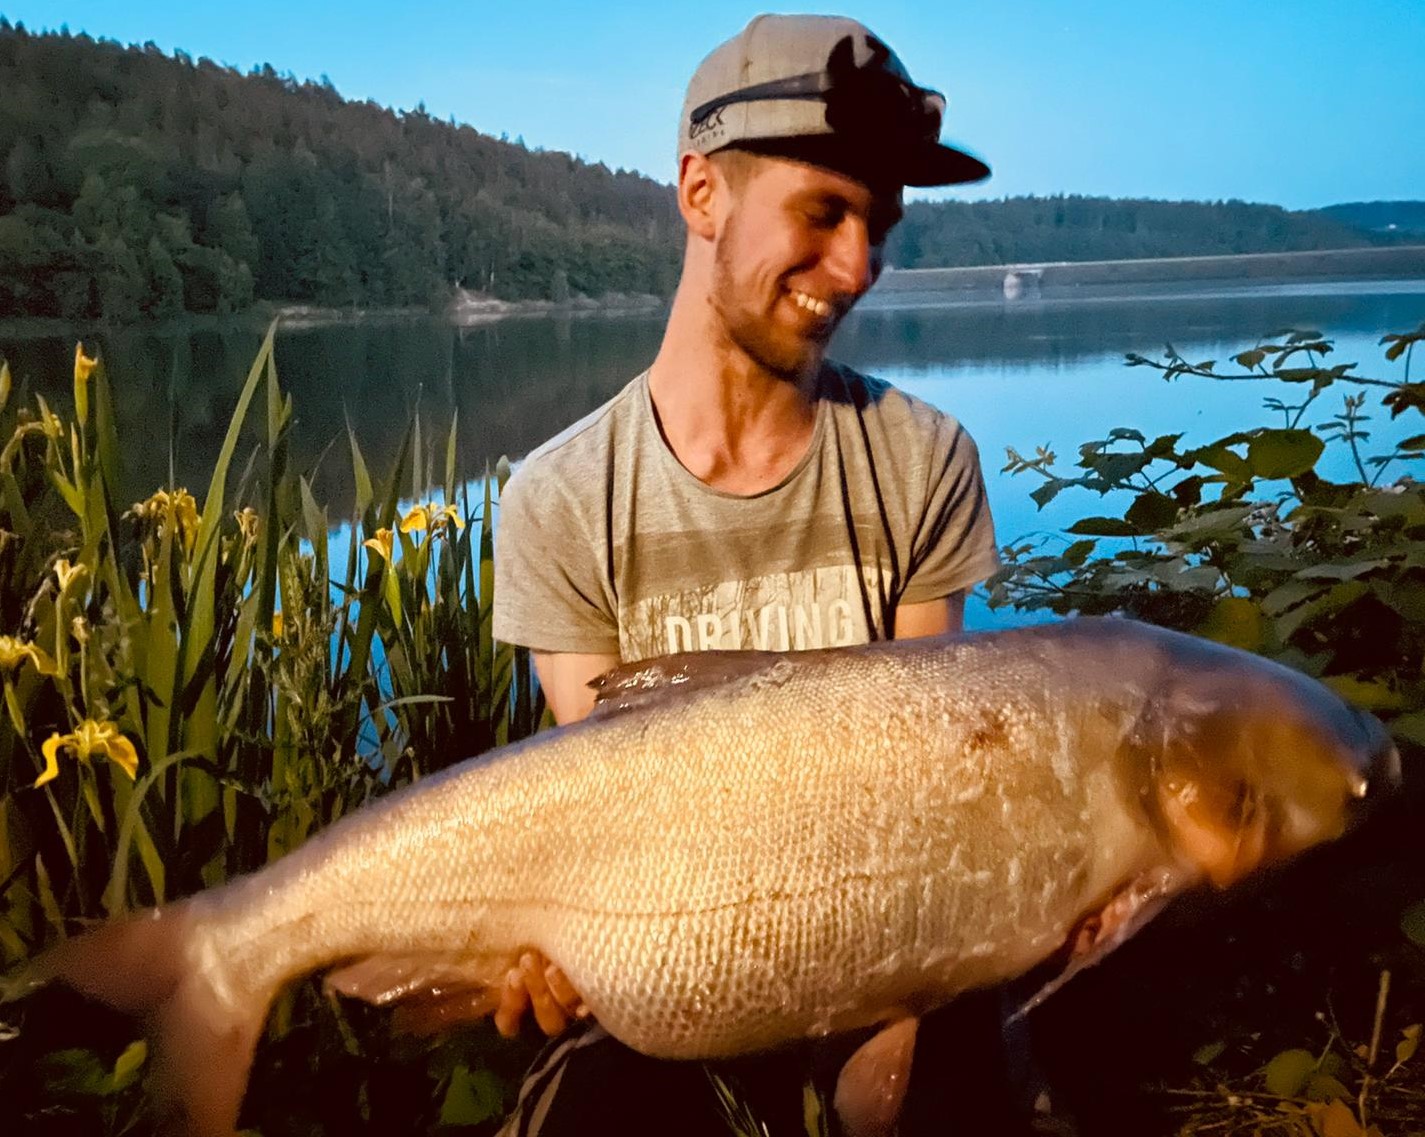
<point>1102,527</point>
<point>1414,442</point>
<point>1250,359</point>
<point>1286,1075</point>
<point>1077,553</point>
<point>1325,1087</point>
<point>1209,1053</point>
<point>1219,457</point>
<point>1407,598</point>
<point>1412,923</point>
<point>127,1067</point>
<point>1407,1046</point>
<point>472,1097</point>
<point>1369,695</point>
<point>1283,453</point>
<point>1346,570</point>
<point>1043,495</point>
<point>73,1072</point>
<point>1151,512</point>
<point>360,475</point>
<point>1235,621</point>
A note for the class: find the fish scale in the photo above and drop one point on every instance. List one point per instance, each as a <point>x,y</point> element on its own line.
<point>738,851</point>
<point>825,869</point>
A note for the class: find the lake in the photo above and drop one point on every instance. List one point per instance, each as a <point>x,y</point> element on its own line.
<point>1017,374</point>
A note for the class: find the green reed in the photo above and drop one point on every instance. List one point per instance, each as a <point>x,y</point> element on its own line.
<point>198,685</point>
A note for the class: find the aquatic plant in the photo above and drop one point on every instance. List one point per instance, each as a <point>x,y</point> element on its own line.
<point>194,687</point>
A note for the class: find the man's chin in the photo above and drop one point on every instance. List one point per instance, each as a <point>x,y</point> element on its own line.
<point>794,359</point>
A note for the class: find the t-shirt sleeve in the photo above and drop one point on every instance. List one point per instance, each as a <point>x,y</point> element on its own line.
<point>551,592</point>
<point>953,547</point>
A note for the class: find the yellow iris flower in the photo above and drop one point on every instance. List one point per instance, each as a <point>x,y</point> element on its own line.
<point>88,739</point>
<point>83,364</point>
<point>431,516</point>
<point>248,523</point>
<point>67,574</point>
<point>381,543</point>
<point>14,652</point>
<point>83,368</point>
<point>177,503</point>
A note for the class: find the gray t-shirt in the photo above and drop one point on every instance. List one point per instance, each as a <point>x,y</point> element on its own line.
<point>607,544</point>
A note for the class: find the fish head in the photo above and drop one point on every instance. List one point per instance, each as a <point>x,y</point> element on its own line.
<point>1252,763</point>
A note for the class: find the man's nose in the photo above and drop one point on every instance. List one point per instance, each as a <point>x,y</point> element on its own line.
<point>853,261</point>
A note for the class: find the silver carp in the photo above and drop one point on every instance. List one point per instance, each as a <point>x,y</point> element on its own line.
<point>736,851</point>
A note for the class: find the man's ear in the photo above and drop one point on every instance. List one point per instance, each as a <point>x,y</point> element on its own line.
<point>698,186</point>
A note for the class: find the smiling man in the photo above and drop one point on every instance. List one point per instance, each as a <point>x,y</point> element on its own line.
<point>745,492</point>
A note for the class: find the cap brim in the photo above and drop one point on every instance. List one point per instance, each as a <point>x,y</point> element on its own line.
<point>941,165</point>
<point>929,164</point>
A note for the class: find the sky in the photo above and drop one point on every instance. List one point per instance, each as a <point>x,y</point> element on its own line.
<point>1300,103</point>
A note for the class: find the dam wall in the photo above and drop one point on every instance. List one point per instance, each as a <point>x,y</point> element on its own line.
<point>1065,279</point>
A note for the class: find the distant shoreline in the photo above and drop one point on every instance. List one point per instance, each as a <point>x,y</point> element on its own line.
<point>1063,280</point>
<point>481,310</point>
<point>1146,278</point>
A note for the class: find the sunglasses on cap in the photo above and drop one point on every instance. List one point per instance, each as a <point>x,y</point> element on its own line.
<point>862,101</point>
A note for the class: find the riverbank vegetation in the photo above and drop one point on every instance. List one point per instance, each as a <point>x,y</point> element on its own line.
<point>135,185</point>
<point>1305,1007</point>
<point>193,686</point>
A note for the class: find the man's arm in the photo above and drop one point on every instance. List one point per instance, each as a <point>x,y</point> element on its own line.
<point>565,677</point>
<point>534,984</point>
<point>932,617</point>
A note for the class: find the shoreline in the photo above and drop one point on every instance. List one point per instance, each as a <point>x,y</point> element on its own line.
<point>1064,281</point>
<point>468,313</point>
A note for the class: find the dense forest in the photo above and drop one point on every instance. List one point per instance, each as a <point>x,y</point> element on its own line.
<point>139,184</point>
<point>134,184</point>
<point>1405,217</point>
<point>1033,229</point>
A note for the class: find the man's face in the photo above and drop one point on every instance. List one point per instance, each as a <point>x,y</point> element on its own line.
<point>799,246</point>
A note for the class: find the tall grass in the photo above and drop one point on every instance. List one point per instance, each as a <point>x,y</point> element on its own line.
<point>194,686</point>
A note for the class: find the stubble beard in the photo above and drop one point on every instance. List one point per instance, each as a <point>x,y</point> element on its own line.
<point>778,350</point>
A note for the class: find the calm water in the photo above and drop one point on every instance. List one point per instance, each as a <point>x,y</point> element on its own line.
<point>1016,374</point>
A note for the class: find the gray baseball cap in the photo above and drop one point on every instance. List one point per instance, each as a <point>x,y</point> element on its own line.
<point>824,89</point>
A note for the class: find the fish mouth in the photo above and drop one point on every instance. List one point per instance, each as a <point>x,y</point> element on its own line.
<point>1380,780</point>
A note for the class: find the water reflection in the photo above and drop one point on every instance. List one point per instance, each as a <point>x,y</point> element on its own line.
<point>1014,372</point>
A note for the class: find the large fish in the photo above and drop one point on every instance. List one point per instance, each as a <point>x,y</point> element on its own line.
<point>745,849</point>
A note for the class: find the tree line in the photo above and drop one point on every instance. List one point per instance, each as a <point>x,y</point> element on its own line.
<point>1028,230</point>
<point>137,184</point>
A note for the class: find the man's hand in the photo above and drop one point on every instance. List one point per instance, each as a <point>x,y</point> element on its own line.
<point>541,986</point>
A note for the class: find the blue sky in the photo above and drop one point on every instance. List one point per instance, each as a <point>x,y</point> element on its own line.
<point>1299,103</point>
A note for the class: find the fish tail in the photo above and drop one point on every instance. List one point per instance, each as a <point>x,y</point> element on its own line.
<point>200,1043</point>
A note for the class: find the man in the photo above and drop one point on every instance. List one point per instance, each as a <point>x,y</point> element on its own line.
<point>744,492</point>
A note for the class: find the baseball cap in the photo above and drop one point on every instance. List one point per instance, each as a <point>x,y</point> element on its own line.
<point>827,90</point>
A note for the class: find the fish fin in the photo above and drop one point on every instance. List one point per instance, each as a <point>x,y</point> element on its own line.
<point>385,979</point>
<point>435,1012</point>
<point>430,994</point>
<point>200,1045</point>
<point>1102,931</point>
<point>870,1089</point>
<point>638,684</point>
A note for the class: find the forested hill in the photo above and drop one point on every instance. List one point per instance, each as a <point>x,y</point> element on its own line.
<point>1022,230</point>
<point>137,184</point>
<point>1405,217</point>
